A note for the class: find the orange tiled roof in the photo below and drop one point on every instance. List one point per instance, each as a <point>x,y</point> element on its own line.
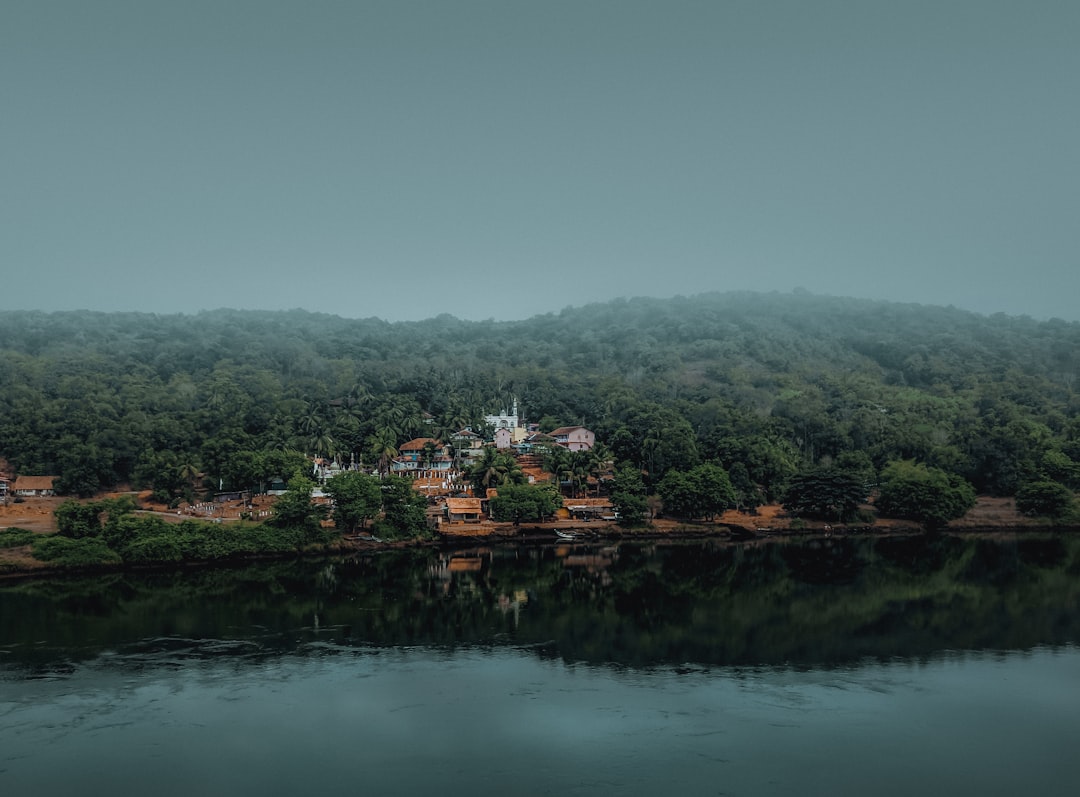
<point>460,506</point>
<point>34,483</point>
<point>418,444</point>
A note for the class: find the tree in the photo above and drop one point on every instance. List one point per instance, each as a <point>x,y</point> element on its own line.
<point>557,462</point>
<point>494,468</point>
<point>704,491</point>
<point>927,495</point>
<point>383,448</point>
<point>528,502</point>
<point>77,520</point>
<point>1044,498</point>
<point>404,509</point>
<point>677,493</point>
<point>357,498</point>
<point>713,490</point>
<point>826,493</point>
<point>294,509</point>
<point>628,496</point>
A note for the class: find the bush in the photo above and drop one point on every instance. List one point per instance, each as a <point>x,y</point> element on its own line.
<point>1045,498</point>
<point>928,495</point>
<point>15,537</point>
<point>66,552</point>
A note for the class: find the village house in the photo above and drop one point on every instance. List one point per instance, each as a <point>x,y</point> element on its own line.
<point>463,510</point>
<point>576,438</point>
<point>423,456</point>
<point>34,486</point>
<point>468,445</point>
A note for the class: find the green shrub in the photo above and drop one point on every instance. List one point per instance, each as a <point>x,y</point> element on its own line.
<point>15,537</point>
<point>66,552</point>
<point>1046,498</point>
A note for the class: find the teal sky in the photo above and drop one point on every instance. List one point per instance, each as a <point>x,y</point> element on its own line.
<point>502,159</point>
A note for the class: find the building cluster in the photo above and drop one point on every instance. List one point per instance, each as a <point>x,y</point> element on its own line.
<point>438,469</point>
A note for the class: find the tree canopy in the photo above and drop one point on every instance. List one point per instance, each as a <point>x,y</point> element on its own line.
<point>764,385</point>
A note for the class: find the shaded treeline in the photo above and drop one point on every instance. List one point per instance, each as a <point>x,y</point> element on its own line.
<point>763,384</point>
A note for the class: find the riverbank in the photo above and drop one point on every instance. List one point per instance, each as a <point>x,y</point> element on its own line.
<point>990,515</point>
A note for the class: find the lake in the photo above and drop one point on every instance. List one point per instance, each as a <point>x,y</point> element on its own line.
<point>930,665</point>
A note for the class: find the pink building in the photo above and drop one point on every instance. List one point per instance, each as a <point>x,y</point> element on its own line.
<point>576,438</point>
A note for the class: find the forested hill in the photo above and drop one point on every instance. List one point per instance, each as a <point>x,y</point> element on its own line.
<point>764,384</point>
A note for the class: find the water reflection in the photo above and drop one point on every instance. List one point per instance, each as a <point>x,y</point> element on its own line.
<point>840,666</point>
<point>820,602</point>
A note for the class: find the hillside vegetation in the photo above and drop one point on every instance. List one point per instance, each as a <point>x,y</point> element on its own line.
<point>766,385</point>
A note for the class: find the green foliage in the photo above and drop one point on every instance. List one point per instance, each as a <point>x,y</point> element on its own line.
<point>524,502</point>
<point>925,494</point>
<point>357,499</point>
<point>295,509</point>
<point>404,510</point>
<point>91,519</point>
<point>495,468</point>
<point>765,385</point>
<point>825,493</point>
<point>628,496</point>
<point>74,553</point>
<point>1045,498</point>
<point>15,537</point>
<point>704,491</point>
<point>77,520</point>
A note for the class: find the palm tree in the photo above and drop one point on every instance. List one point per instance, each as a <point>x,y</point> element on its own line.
<point>599,463</point>
<point>311,421</point>
<point>557,462</point>
<point>494,468</point>
<point>580,464</point>
<point>324,444</point>
<point>383,447</point>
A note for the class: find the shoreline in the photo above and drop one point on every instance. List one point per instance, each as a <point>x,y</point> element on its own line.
<point>17,565</point>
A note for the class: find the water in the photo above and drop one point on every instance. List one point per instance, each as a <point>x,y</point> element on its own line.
<point>619,670</point>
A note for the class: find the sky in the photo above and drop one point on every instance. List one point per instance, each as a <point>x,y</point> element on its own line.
<point>503,159</point>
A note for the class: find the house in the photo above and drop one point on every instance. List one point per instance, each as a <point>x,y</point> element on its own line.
<point>587,509</point>
<point>576,438</point>
<point>423,455</point>
<point>503,438</point>
<point>468,445</point>
<point>463,510</point>
<point>34,486</point>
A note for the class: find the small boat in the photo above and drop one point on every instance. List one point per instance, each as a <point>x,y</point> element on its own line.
<point>565,535</point>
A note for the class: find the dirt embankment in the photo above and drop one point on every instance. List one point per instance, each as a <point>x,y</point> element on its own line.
<point>35,514</point>
<point>989,514</point>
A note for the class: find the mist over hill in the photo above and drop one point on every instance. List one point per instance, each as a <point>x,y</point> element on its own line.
<point>763,384</point>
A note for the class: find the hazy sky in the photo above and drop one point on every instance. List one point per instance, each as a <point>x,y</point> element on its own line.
<point>502,159</point>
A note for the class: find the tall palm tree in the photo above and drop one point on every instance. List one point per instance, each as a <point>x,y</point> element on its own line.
<point>557,462</point>
<point>323,444</point>
<point>580,464</point>
<point>383,448</point>
<point>599,463</point>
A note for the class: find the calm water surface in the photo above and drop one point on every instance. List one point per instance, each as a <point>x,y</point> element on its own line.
<point>702,669</point>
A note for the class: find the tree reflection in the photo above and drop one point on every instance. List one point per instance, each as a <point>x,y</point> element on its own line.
<point>793,603</point>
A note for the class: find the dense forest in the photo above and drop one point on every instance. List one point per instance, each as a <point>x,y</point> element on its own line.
<point>767,386</point>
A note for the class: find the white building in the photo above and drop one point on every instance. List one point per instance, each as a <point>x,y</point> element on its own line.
<point>507,420</point>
